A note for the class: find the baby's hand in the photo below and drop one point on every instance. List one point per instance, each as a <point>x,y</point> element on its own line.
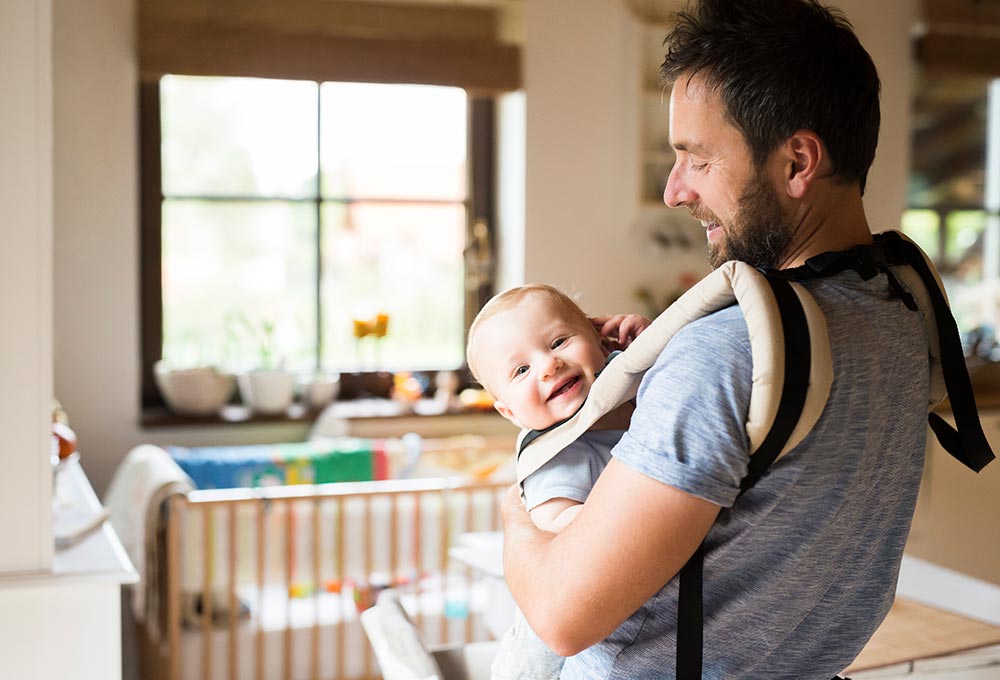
<point>620,330</point>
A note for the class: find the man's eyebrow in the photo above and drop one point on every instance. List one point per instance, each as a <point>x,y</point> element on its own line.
<point>690,147</point>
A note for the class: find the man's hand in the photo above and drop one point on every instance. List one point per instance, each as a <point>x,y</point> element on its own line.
<point>631,537</point>
<point>618,331</point>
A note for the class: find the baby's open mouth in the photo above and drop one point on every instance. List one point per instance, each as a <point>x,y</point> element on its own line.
<point>565,387</point>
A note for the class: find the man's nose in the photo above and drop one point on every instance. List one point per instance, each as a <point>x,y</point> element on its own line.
<point>677,193</point>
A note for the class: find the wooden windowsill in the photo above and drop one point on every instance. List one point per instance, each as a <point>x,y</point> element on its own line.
<point>357,409</point>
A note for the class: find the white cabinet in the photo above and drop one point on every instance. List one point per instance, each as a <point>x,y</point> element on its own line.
<point>66,623</point>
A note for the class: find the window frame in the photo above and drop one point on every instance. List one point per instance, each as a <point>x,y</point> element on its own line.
<point>480,206</point>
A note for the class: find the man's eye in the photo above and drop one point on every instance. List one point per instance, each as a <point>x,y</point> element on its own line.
<point>699,167</point>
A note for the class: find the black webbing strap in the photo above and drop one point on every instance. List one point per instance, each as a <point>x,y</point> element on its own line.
<point>965,442</point>
<point>798,357</point>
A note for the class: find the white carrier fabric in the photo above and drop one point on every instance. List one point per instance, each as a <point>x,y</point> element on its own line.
<point>733,282</point>
<point>737,282</point>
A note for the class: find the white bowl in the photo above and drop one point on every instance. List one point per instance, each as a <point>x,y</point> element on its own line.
<point>193,391</point>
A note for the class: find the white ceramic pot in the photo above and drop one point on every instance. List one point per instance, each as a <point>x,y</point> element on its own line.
<point>267,391</point>
<point>193,391</point>
<point>320,390</point>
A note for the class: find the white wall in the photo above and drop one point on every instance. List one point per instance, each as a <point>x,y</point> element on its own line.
<point>582,79</point>
<point>25,285</point>
<point>582,106</point>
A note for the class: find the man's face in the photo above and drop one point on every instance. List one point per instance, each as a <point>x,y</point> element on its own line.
<point>716,179</point>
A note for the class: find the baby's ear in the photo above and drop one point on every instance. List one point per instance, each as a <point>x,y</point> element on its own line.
<point>503,410</point>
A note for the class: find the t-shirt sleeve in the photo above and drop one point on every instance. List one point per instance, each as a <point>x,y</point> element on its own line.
<point>689,426</point>
<point>571,473</point>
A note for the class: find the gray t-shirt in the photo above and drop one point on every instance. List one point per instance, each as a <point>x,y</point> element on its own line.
<point>801,570</point>
<point>572,472</point>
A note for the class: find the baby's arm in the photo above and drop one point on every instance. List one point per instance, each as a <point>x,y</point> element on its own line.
<point>553,515</point>
<point>620,330</point>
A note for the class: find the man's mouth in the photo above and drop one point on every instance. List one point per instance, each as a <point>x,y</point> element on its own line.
<point>564,387</point>
<point>713,230</point>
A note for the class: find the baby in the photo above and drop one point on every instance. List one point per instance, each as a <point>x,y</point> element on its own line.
<point>536,352</point>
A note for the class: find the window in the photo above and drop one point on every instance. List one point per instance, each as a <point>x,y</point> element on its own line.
<point>949,214</point>
<point>317,225</point>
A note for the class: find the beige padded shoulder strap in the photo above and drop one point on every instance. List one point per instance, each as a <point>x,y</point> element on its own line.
<point>733,282</point>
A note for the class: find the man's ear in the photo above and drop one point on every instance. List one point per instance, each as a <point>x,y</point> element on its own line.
<point>503,410</point>
<point>805,155</point>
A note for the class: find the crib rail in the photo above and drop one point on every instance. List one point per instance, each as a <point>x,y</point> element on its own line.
<point>266,583</point>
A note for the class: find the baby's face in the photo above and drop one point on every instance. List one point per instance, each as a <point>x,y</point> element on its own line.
<point>538,361</point>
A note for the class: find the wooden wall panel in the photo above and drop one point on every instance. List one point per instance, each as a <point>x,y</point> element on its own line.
<point>328,40</point>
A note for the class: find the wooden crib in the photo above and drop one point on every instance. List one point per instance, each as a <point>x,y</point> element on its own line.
<point>267,583</point>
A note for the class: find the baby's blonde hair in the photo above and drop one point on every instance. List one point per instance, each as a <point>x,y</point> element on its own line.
<point>509,299</point>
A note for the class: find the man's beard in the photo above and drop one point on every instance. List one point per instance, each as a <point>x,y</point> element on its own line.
<point>759,233</point>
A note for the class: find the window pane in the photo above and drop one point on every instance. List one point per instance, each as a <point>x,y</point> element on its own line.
<point>238,137</point>
<point>401,260</point>
<point>229,268</point>
<point>922,226</point>
<point>965,228</point>
<point>393,141</point>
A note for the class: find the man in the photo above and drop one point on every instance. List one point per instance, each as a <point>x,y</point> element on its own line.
<point>774,116</point>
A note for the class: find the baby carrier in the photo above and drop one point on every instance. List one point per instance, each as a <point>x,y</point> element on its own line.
<point>792,375</point>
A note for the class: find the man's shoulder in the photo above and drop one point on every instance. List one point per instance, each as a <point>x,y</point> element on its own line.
<point>721,332</point>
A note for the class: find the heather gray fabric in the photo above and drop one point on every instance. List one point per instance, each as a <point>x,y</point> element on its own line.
<point>801,570</point>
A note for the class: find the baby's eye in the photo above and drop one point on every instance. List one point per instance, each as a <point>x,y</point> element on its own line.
<point>558,342</point>
<point>520,370</point>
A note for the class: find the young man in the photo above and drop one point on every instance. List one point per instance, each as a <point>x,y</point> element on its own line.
<point>774,116</point>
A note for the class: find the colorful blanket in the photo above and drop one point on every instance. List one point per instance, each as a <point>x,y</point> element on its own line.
<point>343,459</point>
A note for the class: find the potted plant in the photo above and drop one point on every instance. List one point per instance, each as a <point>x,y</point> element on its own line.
<point>268,388</point>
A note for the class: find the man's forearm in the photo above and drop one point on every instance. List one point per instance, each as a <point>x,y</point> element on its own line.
<point>631,537</point>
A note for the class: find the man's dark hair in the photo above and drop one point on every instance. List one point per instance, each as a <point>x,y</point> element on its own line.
<point>782,66</point>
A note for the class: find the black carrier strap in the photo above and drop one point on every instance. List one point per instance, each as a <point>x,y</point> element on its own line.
<point>793,396</point>
<point>966,442</point>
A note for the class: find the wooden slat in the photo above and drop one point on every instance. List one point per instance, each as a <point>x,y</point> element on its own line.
<point>394,569</point>
<point>443,565</point>
<point>222,51</point>
<point>333,490</point>
<point>469,525</point>
<point>341,646</point>
<point>357,18</point>
<point>317,590</point>
<point>960,53</point>
<point>368,535</point>
<point>262,508</point>
<point>233,603</point>
<point>287,650</point>
<point>176,504</point>
<point>973,14</point>
<point>418,556</point>
<point>208,564</point>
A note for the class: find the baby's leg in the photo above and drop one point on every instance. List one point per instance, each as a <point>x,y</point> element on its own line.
<point>523,656</point>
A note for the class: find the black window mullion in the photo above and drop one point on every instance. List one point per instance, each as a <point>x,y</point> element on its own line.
<point>150,241</point>
<point>319,228</point>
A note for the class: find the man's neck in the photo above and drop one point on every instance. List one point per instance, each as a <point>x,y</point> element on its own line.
<point>832,220</point>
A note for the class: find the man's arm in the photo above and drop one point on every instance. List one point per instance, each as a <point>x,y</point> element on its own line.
<point>630,538</point>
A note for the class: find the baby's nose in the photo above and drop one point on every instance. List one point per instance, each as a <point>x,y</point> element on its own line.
<point>551,367</point>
